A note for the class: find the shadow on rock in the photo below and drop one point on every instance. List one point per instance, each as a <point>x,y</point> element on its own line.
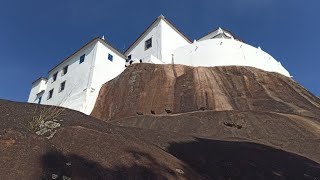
<point>243,160</point>
<point>58,166</point>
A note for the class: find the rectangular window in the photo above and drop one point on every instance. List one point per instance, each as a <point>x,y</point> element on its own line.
<point>62,86</point>
<point>110,57</point>
<point>82,59</point>
<point>50,94</point>
<point>54,77</point>
<point>148,44</point>
<point>64,71</point>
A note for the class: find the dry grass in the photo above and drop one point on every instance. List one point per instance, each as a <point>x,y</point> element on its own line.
<point>44,115</point>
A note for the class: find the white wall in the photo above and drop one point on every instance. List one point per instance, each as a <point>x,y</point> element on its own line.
<point>103,71</point>
<point>139,52</point>
<point>83,81</point>
<point>77,80</point>
<point>37,87</point>
<point>164,41</point>
<point>226,52</point>
<point>171,40</point>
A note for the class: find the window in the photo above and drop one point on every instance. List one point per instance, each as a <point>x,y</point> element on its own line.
<point>39,100</point>
<point>54,77</point>
<point>62,86</point>
<point>82,59</point>
<point>110,57</point>
<point>148,44</point>
<point>64,71</point>
<point>50,94</point>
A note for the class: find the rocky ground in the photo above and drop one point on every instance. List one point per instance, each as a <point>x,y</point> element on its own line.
<point>82,148</point>
<point>170,122</point>
<point>158,89</point>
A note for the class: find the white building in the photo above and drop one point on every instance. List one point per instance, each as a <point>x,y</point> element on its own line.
<point>76,81</point>
<point>221,48</point>
<point>157,43</point>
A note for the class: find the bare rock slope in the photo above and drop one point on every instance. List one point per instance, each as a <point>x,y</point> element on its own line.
<point>218,102</point>
<point>83,147</point>
<point>170,122</point>
<point>223,103</point>
<point>159,89</point>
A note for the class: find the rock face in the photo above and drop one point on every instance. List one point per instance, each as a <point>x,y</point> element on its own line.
<point>288,132</point>
<point>170,122</point>
<point>153,89</point>
<point>237,104</point>
<point>82,148</point>
<point>86,148</point>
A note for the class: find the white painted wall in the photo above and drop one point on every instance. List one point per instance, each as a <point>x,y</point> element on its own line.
<point>170,40</point>
<point>77,80</point>
<point>164,41</point>
<point>83,81</point>
<point>226,52</point>
<point>37,86</point>
<point>138,51</point>
<point>103,71</point>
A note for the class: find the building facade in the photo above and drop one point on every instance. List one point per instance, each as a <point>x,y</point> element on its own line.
<point>76,81</point>
<point>221,48</point>
<point>157,43</point>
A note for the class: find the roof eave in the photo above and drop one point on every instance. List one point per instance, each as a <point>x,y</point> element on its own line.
<point>177,30</point>
<point>112,48</point>
<point>89,44</point>
<point>77,51</point>
<point>235,37</point>
<point>40,78</point>
<point>157,20</point>
<point>141,35</point>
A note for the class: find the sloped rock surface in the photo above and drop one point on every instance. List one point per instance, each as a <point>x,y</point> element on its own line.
<point>82,148</point>
<point>86,148</point>
<point>237,104</point>
<point>171,122</point>
<point>288,132</point>
<point>153,89</point>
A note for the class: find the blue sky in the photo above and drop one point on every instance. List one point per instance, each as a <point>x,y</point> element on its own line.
<point>35,35</point>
